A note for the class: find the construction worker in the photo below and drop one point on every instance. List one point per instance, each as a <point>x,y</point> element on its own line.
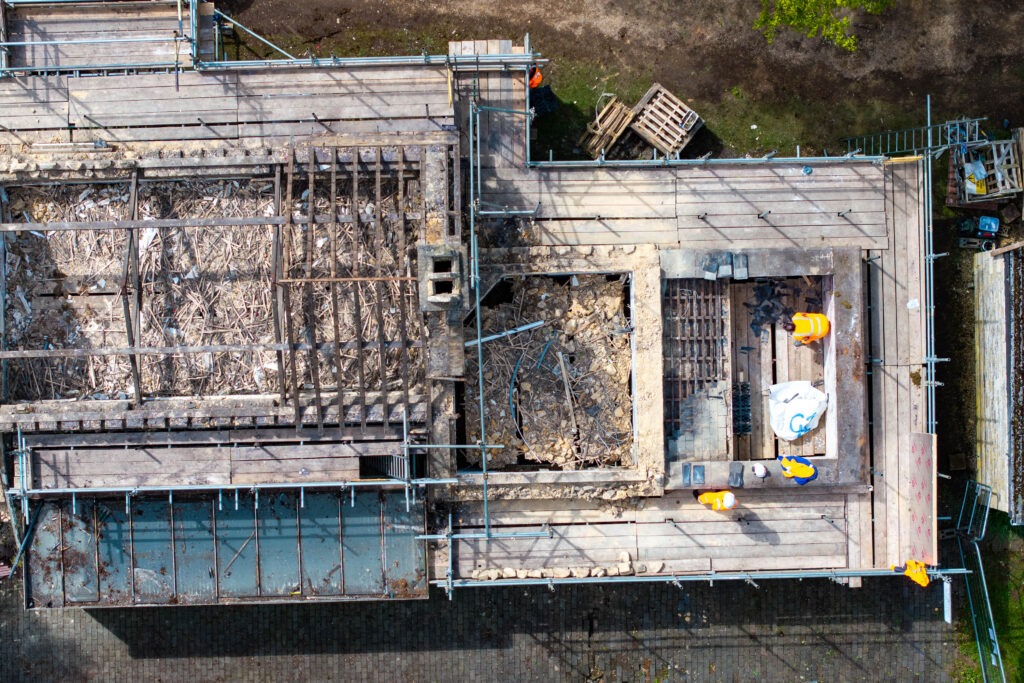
<point>809,327</point>
<point>915,571</point>
<point>536,77</point>
<point>798,469</point>
<point>718,500</point>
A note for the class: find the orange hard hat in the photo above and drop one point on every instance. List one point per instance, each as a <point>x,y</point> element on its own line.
<point>536,77</point>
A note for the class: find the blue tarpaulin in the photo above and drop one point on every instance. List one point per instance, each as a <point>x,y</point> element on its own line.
<point>202,549</point>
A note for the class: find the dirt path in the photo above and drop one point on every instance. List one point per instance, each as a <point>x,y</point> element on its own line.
<point>968,56</point>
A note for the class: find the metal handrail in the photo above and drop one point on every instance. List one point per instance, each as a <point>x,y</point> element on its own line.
<point>635,163</point>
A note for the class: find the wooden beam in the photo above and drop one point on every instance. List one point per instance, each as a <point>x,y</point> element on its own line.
<point>207,348</point>
<point>357,269</point>
<point>277,300</point>
<point>308,313</point>
<point>285,289</point>
<point>406,268</point>
<point>378,251</point>
<point>158,223</point>
<point>131,270</point>
<point>163,439</point>
<point>333,260</point>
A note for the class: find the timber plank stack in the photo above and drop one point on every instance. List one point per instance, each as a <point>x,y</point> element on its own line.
<point>605,130</point>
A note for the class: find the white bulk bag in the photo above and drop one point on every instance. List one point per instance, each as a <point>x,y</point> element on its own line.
<point>795,408</point>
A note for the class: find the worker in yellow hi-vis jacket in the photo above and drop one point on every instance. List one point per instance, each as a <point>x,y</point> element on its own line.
<point>798,469</point>
<point>718,500</point>
<point>809,327</point>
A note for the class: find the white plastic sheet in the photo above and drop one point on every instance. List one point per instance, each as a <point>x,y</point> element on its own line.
<point>795,408</point>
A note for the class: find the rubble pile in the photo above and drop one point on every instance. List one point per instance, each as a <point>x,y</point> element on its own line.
<point>60,292</point>
<point>203,286</point>
<point>558,394</point>
<point>206,286</point>
<point>345,251</point>
<point>624,567</point>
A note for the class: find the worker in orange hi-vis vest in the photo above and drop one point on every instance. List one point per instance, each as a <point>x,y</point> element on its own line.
<point>536,78</point>
<point>718,500</point>
<point>809,327</point>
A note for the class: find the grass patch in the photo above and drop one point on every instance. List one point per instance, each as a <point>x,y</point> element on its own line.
<point>782,125</point>
<point>359,41</point>
<point>1003,554</point>
<point>577,87</point>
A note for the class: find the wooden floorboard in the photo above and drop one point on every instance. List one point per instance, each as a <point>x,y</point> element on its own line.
<point>142,466</point>
<point>613,231</point>
<point>767,531</point>
<point>70,23</point>
<point>892,413</point>
<point>190,105</point>
<point>898,503</point>
<point>911,236</point>
<point>714,207</point>
<point>896,277</point>
<point>899,258</point>
<point>34,103</point>
<point>834,560</point>
<point>991,373</point>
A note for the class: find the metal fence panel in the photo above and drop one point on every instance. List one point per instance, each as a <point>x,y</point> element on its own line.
<point>320,529</point>
<point>194,552</point>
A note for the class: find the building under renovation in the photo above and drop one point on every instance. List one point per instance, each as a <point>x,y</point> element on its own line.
<point>311,328</point>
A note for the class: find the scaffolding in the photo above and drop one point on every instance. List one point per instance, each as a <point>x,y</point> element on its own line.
<point>183,34</point>
<point>39,37</point>
<point>921,140</point>
<point>334,328</point>
<point>361,338</point>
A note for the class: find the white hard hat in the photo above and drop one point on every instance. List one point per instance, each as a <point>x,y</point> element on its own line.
<point>729,500</point>
<point>759,470</point>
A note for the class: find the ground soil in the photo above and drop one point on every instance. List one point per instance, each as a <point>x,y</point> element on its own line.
<point>968,56</point>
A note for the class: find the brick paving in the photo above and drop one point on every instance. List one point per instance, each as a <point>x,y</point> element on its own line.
<point>813,630</point>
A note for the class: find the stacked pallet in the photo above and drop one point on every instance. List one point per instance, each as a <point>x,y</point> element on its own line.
<point>664,121</point>
<point>660,119</point>
<point>604,132</point>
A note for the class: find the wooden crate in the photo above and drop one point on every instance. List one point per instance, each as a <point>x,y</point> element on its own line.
<point>1002,169</point>
<point>605,130</point>
<point>664,121</point>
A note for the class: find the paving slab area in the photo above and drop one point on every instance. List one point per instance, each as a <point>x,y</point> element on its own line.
<point>889,630</point>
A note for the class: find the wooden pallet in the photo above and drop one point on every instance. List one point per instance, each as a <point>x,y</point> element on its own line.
<point>606,129</point>
<point>1002,170</point>
<point>664,121</point>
